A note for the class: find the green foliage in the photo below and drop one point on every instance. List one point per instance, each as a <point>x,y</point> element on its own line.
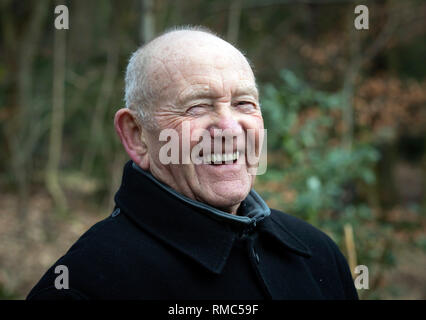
<point>7,295</point>
<point>329,180</point>
<point>301,128</point>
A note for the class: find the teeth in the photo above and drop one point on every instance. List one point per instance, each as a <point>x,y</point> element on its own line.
<point>218,158</point>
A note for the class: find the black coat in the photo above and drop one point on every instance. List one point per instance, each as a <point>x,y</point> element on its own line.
<point>154,246</point>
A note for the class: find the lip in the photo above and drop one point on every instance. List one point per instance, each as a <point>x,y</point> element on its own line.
<point>221,169</point>
<point>241,160</point>
<point>240,150</point>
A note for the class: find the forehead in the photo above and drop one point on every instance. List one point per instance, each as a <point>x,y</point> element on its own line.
<point>203,64</point>
<point>208,68</point>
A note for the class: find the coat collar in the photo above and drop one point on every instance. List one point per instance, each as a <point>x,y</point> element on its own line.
<point>252,210</point>
<point>192,230</point>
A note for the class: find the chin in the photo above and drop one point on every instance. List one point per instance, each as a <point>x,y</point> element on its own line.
<point>224,199</point>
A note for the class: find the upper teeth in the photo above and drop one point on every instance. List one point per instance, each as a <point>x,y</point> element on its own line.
<point>217,157</point>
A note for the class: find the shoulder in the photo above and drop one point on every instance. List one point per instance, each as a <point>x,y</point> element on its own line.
<point>304,231</point>
<point>326,258</point>
<point>319,243</point>
<point>95,261</point>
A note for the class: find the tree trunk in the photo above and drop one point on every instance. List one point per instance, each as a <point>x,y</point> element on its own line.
<point>358,57</point>
<point>57,121</point>
<point>234,21</point>
<point>147,21</point>
<point>102,103</point>
<point>350,77</point>
<point>22,142</point>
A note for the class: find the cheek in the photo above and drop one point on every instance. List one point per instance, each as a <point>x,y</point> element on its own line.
<point>197,129</point>
<point>255,135</point>
<point>154,146</point>
<point>253,122</point>
<point>190,133</point>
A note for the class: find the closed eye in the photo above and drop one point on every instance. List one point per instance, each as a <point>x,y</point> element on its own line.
<point>197,109</point>
<point>246,104</point>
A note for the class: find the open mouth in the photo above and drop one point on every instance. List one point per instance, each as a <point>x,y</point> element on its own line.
<point>221,158</point>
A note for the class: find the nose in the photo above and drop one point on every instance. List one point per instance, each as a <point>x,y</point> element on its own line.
<point>226,124</point>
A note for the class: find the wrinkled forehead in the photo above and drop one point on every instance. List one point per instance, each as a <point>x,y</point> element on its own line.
<point>189,51</point>
<point>192,57</point>
<point>206,62</point>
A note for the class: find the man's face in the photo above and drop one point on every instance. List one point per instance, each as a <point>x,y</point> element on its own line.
<point>207,86</point>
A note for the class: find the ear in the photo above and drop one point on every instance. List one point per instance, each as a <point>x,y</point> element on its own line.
<point>132,137</point>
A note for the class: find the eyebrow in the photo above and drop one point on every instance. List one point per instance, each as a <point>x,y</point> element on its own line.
<point>250,90</point>
<point>198,93</point>
<point>247,90</point>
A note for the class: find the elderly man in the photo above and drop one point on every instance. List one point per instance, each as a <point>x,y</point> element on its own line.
<point>188,229</point>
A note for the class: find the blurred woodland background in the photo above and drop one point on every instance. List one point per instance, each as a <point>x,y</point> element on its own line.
<point>344,108</point>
